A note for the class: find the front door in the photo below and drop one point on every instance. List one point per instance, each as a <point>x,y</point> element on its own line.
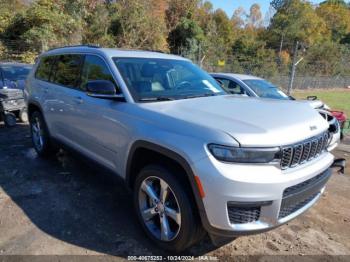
<point>98,124</point>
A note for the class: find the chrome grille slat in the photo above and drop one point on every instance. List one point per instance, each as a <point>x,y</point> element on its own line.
<point>313,149</point>
<point>307,150</point>
<point>298,151</point>
<point>319,146</point>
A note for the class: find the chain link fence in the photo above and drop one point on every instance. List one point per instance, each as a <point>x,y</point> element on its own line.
<point>268,68</point>
<point>280,75</point>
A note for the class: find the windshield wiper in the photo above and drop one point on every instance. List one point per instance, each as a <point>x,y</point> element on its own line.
<point>158,98</point>
<point>200,95</point>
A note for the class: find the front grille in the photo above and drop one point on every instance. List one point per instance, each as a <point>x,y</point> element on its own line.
<point>289,209</point>
<point>307,150</point>
<point>301,186</point>
<point>243,215</point>
<point>299,195</point>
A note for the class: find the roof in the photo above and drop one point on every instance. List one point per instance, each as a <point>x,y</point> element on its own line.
<point>236,76</point>
<point>112,52</point>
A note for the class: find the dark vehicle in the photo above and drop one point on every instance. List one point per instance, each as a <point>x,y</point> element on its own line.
<point>12,78</point>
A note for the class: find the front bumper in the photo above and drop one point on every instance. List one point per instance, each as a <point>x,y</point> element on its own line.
<point>244,199</point>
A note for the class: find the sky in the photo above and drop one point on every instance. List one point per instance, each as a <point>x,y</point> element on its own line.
<point>230,5</point>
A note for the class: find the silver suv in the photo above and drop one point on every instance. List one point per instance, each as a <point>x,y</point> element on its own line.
<point>196,159</point>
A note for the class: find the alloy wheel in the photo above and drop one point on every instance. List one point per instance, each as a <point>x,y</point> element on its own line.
<point>159,209</point>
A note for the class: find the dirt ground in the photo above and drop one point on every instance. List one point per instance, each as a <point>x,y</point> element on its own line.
<point>62,206</point>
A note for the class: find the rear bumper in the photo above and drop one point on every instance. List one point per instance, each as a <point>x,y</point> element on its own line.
<point>247,200</point>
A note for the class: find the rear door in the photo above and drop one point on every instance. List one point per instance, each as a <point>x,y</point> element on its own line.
<point>62,96</point>
<point>42,90</point>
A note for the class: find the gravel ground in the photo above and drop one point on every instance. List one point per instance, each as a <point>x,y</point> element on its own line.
<point>62,206</point>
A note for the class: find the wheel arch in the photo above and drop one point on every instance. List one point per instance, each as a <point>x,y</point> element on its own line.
<point>32,107</point>
<point>169,157</point>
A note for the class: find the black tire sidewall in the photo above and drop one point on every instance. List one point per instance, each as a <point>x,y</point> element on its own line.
<point>188,221</point>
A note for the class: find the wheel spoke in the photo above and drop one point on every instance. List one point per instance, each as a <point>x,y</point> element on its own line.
<point>164,228</point>
<point>149,191</point>
<point>148,213</point>
<point>173,214</point>
<point>164,189</point>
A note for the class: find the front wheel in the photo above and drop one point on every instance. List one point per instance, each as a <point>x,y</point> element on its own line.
<point>165,209</point>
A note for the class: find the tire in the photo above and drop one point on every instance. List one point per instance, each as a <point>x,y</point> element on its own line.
<point>40,135</point>
<point>23,115</point>
<point>184,229</point>
<point>10,119</point>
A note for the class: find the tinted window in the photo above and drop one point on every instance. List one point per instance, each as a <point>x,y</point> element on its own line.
<point>95,69</point>
<point>152,78</point>
<point>44,68</point>
<point>67,70</point>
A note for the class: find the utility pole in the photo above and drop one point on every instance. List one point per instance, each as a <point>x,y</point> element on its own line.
<point>294,64</point>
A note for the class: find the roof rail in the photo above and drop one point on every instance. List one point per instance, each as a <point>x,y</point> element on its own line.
<point>87,45</point>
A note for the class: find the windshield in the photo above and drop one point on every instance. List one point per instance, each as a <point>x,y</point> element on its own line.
<point>151,79</point>
<point>14,73</point>
<point>265,89</point>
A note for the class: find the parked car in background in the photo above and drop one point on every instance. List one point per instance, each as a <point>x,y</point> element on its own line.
<point>248,85</point>
<point>12,78</point>
<point>193,163</point>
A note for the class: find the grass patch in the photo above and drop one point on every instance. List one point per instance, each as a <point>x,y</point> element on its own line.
<point>337,99</point>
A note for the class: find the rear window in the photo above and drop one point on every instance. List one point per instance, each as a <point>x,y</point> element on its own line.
<point>44,68</point>
<point>67,70</point>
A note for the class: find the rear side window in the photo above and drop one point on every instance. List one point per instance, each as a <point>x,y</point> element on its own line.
<point>95,68</point>
<point>44,68</point>
<point>67,70</point>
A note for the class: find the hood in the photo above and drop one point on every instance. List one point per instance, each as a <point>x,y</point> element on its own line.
<point>251,121</point>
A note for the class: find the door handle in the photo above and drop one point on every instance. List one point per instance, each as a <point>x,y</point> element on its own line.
<point>78,100</point>
<point>46,89</point>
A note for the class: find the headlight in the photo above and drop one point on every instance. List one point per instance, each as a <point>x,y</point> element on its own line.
<point>245,155</point>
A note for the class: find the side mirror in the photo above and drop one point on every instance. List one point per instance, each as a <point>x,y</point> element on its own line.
<point>102,89</point>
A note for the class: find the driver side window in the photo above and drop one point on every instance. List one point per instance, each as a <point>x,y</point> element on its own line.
<point>95,69</point>
<point>232,87</point>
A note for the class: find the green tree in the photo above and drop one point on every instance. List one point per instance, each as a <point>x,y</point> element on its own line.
<point>295,20</point>
<point>337,18</point>
<point>137,24</point>
<point>185,38</point>
<point>179,9</point>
